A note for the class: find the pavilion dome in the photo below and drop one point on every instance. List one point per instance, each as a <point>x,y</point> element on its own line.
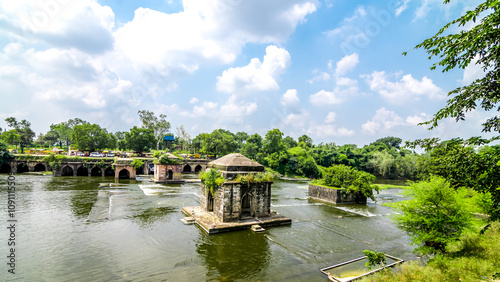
<point>236,162</point>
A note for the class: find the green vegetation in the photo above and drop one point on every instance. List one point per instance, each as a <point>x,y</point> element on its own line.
<point>348,179</point>
<point>472,258</point>
<point>4,154</point>
<point>158,125</point>
<point>139,139</point>
<point>375,258</point>
<point>212,179</point>
<point>165,160</point>
<point>434,217</point>
<point>137,163</point>
<point>254,178</point>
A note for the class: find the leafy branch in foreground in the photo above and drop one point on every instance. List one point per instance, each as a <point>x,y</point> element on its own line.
<point>479,45</point>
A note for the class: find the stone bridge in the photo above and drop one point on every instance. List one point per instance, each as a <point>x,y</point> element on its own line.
<point>93,167</point>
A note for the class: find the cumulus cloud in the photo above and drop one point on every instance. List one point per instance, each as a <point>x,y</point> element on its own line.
<point>193,100</point>
<point>330,118</point>
<point>290,97</point>
<point>346,64</point>
<point>329,130</point>
<point>256,76</point>
<point>403,90</point>
<point>383,119</point>
<point>473,72</point>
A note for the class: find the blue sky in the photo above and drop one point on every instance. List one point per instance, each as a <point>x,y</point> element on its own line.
<point>330,69</point>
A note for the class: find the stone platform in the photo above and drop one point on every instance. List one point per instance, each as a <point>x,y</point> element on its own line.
<point>211,225</point>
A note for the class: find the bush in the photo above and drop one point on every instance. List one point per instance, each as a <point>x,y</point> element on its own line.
<point>434,216</point>
<point>212,179</point>
<point>348,179</point>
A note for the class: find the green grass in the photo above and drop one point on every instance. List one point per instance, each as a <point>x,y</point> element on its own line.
<point>474,258</point>
<point>390,186</point>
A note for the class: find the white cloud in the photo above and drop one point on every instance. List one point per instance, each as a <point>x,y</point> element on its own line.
<point>320,77</point>
<point>297,120</point>
<point>345,88</point>
<point>383,119</point>
<point>401,7</point>
<point>416,119</point>
<point>290,97</point>
<point>404,90</point>
<point>329,130</point>
<point>347,64</point>
<point>473,72</point>
<point>256,76</point>
<point>193,100</point>
<point>330,118</point>
<point>324,97</point>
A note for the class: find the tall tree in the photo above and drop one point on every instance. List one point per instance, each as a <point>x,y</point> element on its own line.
<point>184,137</point>
<point>479,45</point>
<point>64,130</point>
<point>273,143</point>
<point>159,125</point>
<point>89,137</point>
<point>26,135</point>
<point>140,139</point>
<point>11,137</point>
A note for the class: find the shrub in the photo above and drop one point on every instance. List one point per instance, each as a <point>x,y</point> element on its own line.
<point>212,179</point>
<point>434,216</point>
<point>348,179</point>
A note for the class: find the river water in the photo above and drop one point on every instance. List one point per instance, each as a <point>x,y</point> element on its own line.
<point>144,239</point>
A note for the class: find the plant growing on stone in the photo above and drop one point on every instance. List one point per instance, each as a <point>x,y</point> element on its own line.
<point>212,179</point>
<point>375,258</point>
<point>137,164</point>
<point>349,179</point>
<point>164,159</point>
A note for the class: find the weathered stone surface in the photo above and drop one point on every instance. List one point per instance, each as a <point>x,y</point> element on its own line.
<point>336,196</point>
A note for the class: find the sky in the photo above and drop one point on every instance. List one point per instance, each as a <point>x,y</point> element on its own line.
<point>332,70</point>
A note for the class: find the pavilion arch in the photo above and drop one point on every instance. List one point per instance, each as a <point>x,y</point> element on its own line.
<point>198,168</point>
<point>22,167</point>
<point>247,205</point>
<point>170,174</point>
<point>124,174</point>
<point>5,168</point>
<point>96,171</point>
<point>40,167</point>
<point>109,171</point>
<point>187,168</point>
<point>67,171</point>
<point>82,171</point>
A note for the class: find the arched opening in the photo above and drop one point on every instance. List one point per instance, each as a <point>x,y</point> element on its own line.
<point>96,171</point>
<point>22,167</point>
<point>197,168</point>
<point>40,167</point>
<point>187,168</point>
<point>170,174</point>
<point>82,171</point>
<point>67,171</point>
<point>246,205</point>
<point>124,174</point>
<point>139,170</point>
<point>5,168</point>
<point>109,172</point>
<point>210,202</point>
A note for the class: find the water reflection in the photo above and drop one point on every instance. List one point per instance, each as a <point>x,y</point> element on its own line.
<point>149,216</point>
<point>232,256</point>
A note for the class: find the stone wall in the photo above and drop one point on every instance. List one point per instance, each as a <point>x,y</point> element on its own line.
<point>336,196</point>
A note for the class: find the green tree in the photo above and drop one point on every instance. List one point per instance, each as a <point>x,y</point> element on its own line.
<point>26,135</point>
<point>11,137</point>
<point>479,45</point>
<point>89,137</point>
<point>140,139</point>
<point>159,125</point>
<point>273,143</point>
<point>252,146</point>
<point>289,142</point>
<point>64,130</point>
<point>219,142</point>
<point>4,154</point>
<point>307,140</point>
<point>434,216</point>
<point>184,138</point>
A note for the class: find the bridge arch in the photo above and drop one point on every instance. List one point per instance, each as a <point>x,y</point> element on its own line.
<point>187,168</point>
<point>124,174</point>
<point>22,167</point>
<point>82,171</point>
<point>198,168</point>
<point>96,171</point>
<point>5,168</point>
<point>109,171</point>
<point>40,167</point>
<point>67,171</point>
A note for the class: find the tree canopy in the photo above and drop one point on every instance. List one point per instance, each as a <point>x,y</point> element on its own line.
<point>159,125</point>
<point>479,45</point>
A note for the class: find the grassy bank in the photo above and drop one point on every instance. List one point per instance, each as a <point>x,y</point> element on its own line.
<point>474,258</point>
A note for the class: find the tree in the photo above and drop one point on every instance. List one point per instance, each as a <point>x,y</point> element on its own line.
<point>11,137</point>
<point>375,258</point>
<point>390,141</point>
<point>89,137</point>
<point>64,130</point>
<point>140,139</point>
<point>26,135</point>
<point>434,216</point>
<point>219,142</point>
<point>184,138</point>
<point>273,143</point>
<point>480,44</point>
<point>289,142</point>
<point>159,125</point>
<point>252,146</point>
<point>307,140</point>
<point>4,154</point>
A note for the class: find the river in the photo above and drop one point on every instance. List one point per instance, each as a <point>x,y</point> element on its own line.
<point>144,239</point>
